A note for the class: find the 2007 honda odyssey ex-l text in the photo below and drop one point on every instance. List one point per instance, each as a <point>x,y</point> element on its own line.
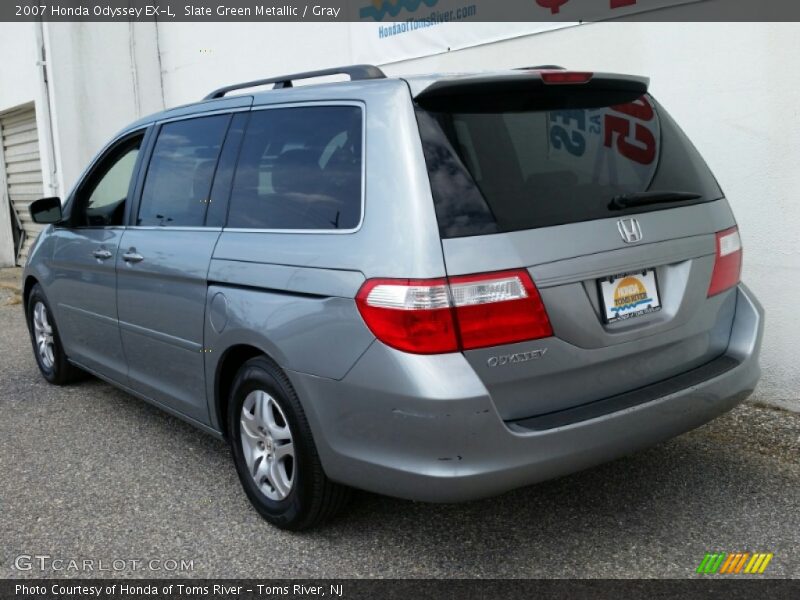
<point>435,287</point>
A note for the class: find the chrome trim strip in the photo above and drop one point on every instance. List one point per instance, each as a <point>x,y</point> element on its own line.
<point>88,313</point>
<point>174,228</point>
<point>200,115</point>
<point>164,338</point>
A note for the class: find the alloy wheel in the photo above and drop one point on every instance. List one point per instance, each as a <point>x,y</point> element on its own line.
<point>267,445</point>
<point>43,334</point>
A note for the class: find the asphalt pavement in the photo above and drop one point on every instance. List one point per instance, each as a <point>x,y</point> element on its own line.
<point>90,473</point>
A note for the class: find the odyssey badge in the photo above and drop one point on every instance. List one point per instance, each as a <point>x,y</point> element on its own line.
<point>519,357</point>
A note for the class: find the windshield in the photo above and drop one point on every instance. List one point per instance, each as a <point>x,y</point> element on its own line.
<point>505,164</point>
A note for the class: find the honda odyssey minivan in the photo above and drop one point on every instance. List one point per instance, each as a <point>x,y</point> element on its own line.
<point>435,287</point>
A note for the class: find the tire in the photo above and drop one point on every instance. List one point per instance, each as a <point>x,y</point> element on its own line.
<point>47,348</point>
<point>274,451</point>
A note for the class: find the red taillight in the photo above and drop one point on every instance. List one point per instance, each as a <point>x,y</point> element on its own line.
<point>560,77</point>
<point>499,308</point>
<point>409,314</point>
<point>728,263</point>
<point>460,313</point>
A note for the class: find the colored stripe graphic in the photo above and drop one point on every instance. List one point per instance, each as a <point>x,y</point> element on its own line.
<point>764,564</point>
<point>711,562</point>
<point>758,564</point>
<point>752,565</point>
<point>741,562</point>
<point>727,566</point>
<point>724,563</point>
<point>702,567</point>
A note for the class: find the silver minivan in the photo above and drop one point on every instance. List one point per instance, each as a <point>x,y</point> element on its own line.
<point>434,287</point>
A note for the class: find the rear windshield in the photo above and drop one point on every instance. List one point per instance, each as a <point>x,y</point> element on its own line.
<point>500,164</point>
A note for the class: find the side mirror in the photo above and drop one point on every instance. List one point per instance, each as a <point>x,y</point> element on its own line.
<point>46,210</point>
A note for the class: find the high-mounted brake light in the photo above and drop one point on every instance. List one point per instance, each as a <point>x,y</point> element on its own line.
<point>728,263</point>
<point>566,77</point>
<point>437,316</point>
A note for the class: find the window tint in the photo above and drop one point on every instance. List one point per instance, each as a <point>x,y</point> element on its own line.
<point>299,168</point>
<point>520,163</point>
<point>181,169</point>
<point>103,201</point>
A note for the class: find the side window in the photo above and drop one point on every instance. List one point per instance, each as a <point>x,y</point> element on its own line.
<point>178,179</point>
<point>102,202</point>
<point>299,168</point>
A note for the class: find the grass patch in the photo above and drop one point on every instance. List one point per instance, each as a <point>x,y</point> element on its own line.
<point>16,294</point>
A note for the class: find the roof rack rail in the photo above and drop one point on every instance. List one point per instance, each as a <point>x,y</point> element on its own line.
<point>355,72</point>
<point>541,68</point>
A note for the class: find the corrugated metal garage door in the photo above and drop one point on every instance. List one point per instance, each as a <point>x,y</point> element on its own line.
<point>23,170</point>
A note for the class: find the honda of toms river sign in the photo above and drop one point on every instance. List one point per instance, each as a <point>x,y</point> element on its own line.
<point>385,31</point>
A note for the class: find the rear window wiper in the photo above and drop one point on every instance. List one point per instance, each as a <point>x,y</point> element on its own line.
<point>645,198</point>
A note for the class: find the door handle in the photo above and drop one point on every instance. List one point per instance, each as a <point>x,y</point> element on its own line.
<point>101,254</point>
<point>131,256</point>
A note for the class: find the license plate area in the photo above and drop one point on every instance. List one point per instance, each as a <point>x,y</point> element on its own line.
<point>629,295</point>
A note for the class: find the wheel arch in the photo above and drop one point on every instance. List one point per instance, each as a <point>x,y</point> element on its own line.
<point>227,367</point>
<point>27,287</point>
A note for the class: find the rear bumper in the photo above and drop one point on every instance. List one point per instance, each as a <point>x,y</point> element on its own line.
<point>425,428</point>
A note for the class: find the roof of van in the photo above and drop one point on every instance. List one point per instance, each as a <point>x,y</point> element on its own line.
<point>420,85</point>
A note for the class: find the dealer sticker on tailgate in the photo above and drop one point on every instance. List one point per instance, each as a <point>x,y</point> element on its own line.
<point>630,295</point>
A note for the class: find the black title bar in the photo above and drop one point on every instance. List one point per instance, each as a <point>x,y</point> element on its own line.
<point>385,11</point>
<point>399,589</point>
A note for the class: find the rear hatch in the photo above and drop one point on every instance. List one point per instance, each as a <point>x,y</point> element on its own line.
<point>586,182</point>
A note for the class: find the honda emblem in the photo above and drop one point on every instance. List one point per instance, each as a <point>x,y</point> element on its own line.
<point>630,230</point>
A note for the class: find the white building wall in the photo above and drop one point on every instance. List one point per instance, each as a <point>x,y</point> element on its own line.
<point>18,83</point>
<point>18,86</point>
<point>103,76</point>
<point>199,57</point>
<point>99,77</point>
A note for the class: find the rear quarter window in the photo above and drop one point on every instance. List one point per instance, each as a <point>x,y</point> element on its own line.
<point>300,169</point>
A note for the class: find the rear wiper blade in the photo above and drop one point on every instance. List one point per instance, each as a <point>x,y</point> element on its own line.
<point>645,198</point>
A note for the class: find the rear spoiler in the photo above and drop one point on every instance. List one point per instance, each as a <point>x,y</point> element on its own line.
<point>527,80</point>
